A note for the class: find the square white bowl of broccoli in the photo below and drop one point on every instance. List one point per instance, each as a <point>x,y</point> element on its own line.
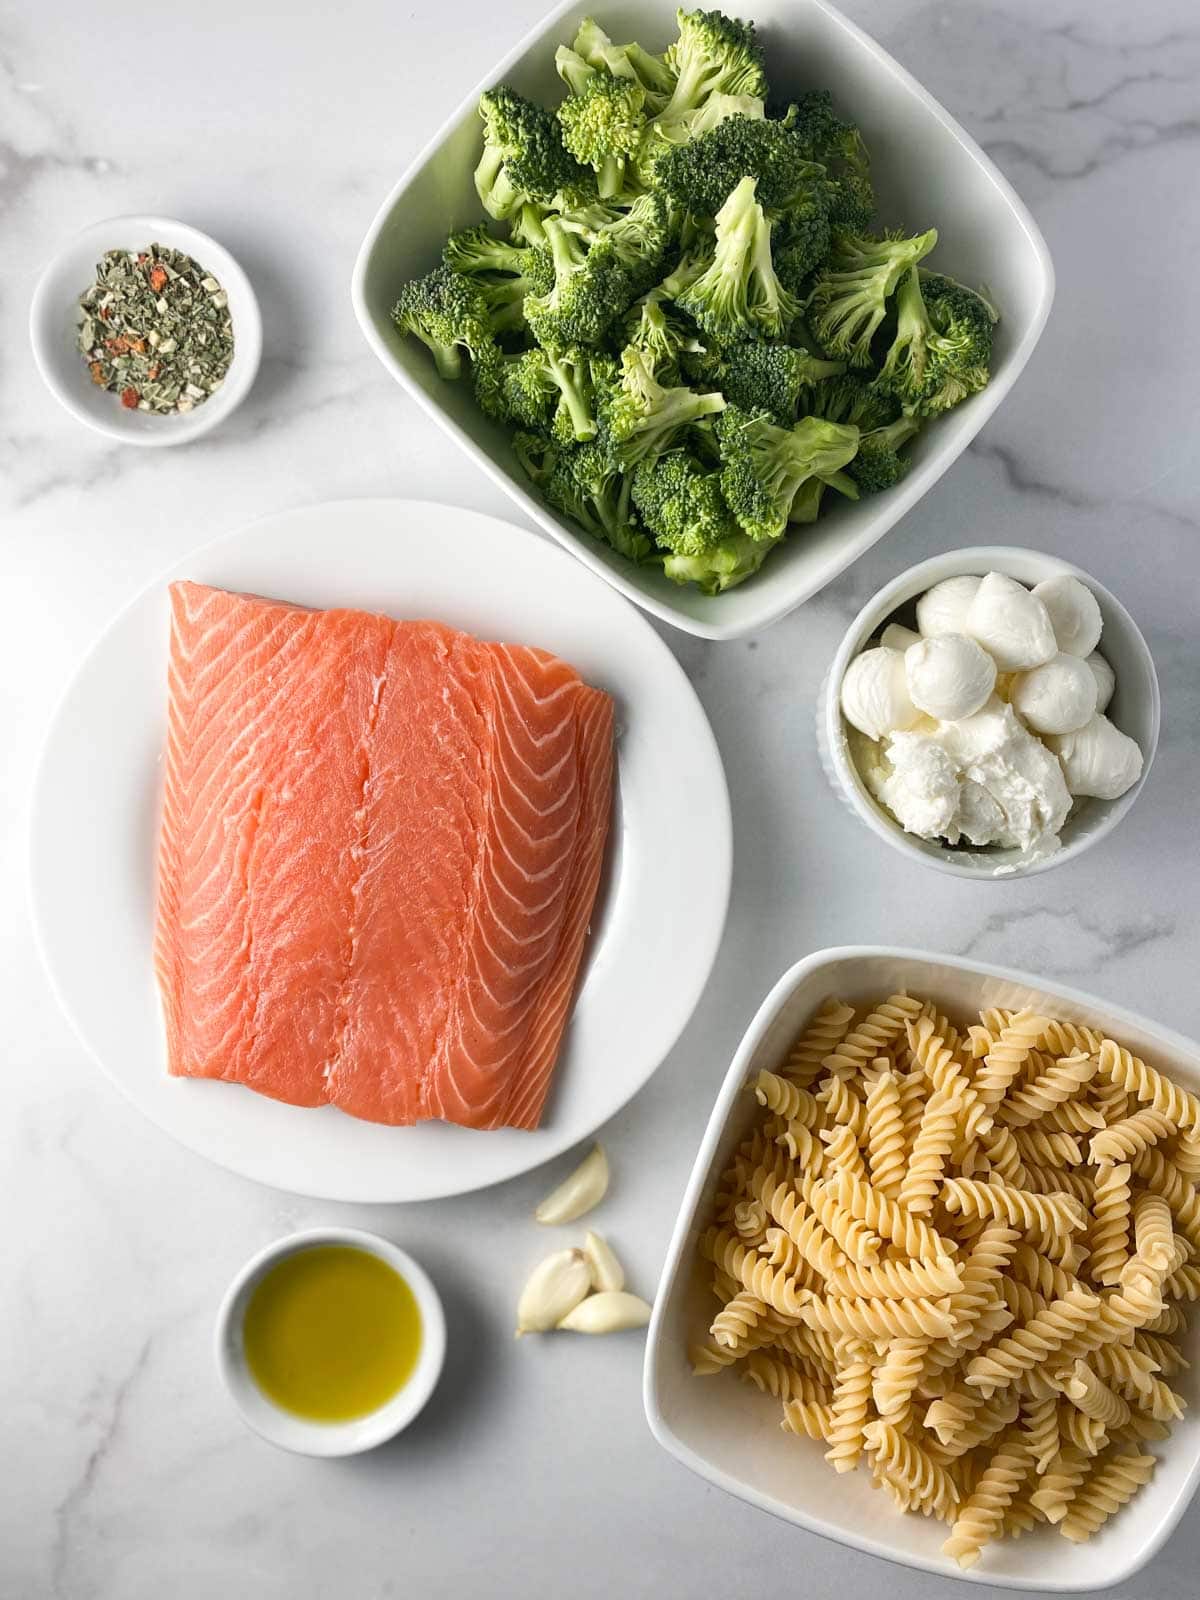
<point>707,306</point>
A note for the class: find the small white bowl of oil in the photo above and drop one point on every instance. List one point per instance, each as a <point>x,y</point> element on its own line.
<point>330,1341</point>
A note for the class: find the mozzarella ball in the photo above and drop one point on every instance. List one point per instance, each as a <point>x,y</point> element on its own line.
<point>943,609</point>
<point>1098,759</point>
<point>1106,679</point>
<point>949,676</point>
<point>875,697</point>
<point>1011,624</point>
<point>896,637</point>
<point>1057,697</point>
<point>1074,614</point>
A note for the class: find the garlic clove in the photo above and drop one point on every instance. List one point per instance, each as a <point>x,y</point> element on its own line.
<point>607,1313</point>
<point>585,1188</point>
<point>552,1291</point>
<point>608,1275</point>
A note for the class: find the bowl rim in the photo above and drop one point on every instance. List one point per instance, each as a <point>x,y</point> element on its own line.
<point>969,561</point>
<point>44,312</point>
<point>900,501</point>
<point>678,1256</point>
<point>295,1433</point>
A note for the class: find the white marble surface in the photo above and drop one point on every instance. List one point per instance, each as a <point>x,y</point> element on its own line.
<point>278,128</point>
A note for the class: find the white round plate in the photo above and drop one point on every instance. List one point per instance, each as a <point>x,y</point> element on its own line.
<point>658,918</point>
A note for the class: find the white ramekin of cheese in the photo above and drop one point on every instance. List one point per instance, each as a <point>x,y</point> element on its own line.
<point>858,767</point>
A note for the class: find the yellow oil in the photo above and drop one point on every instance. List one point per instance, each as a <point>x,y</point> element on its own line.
<point>332,1333</point>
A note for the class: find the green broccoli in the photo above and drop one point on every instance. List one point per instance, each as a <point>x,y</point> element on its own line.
<point>587,485</point>
<point>474,250</point>
<point>765,466</point>
<point>839,147</point>
<point>594,47</point>
<point>661,337</point>
<point>713,54</point>
<point>447,312</point>
<point>519,389</point>
<point>852,398</point>
<point>850,297</point>
<point>591,289</point>
<point>739,293</point>
<point>524,157</point>
<point>802,240</point>
<point>602,127</point>
<point>723,566</point>
<point>963,325</point>
<point>680,502</point>
<point>638,239</point>
<point>644,417</point>
<point>771,377</point>
<point>879,464</point>
<point>536,453</point>
<point>701,175</point>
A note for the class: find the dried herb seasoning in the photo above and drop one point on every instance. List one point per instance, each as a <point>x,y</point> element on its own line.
<point>155,329</point>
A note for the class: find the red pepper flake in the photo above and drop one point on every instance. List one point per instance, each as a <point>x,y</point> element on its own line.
<point>142,256</point>
<point>130,398</point>
<point>153,372</point>
<point>158,278</point>
<point>118,346</point>
<point>104,313</point>
<point>96,368</point>
<point>136,344</point>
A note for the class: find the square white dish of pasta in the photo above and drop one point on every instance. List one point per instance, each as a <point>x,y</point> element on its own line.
<point>929,1289</point>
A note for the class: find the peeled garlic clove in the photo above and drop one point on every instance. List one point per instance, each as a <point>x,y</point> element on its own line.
<point>1057,697</point>
<point>608,1275</point>
<point>607,1313</point>
<point>1106,679</point>
<point>897,637</point>
<point>1098,759</point>
<point>1074,614</point>
<point>949,676</point>
<point>1011,624</point>
<point>875,694</point>
<point>554,1288</point>
<point>585,1188</point>
<point>943,609</point>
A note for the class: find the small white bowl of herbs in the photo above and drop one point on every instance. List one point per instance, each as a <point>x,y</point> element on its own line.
<point>146,329</point>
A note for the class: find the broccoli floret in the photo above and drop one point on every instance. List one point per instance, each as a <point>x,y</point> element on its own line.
<point>731,562</point>
<point>765,466</point>
<point>591,288</point>
<point>802,240</point>
<point>594,47</point>
<point>714,54</point>
<point>505,273</point>
<point>701,175</point>
<point>536,453</point>
<point>839,147</point>
<point>602,127</point>
<point>661,337</point>
<point>852,398</point>
<point>524,157</point>
<point>739,293</point>
<point>644,417</point>
<point>715,110</point>
<point>680,502</point>
<point>521,390</point>
<point>586,485</point>
<point>879,464</point>
<point>572,373</point>
<point>771,377</point>
<point>850,297</point>
<point>447,312</point>
<point>638,239</point>
<point>526,225</point>
<point>942,346</point>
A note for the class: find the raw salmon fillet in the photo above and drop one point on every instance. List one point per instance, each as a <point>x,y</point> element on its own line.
<point>381,843</point>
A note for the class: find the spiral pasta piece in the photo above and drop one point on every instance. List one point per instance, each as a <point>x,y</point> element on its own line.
<point>754,1273</point>
<point>737,1319</point>
<point>1049,1215</point>
<point>888,1219</point>
<point>944,1071</point>
<point>1049,1147</point>
<point>1154,1239</point>
<point>811,1420</point>
<point>933,1143</point>
<point>1062,1080</point>
<point>981,1517</point>
<point>1060,1481</point>
<point>1120,1140</point>
<point>1008,1055</point>
<point>1071,1039</point>
<point>851,1405</point>
<point>877,1319</point>
<point>803,1227</point>
<point>823,1034</point>
<point>1040,1421</point>
<point>1108,1100</point>
<point>912,1087</point>
<point>1085,1434</point>
<point>896,1377</point>
<point>841,1105</point>
<point>983,1268</point>
<point>1109,1232</point>
<point>1186,1154</point>
<point>783,1380</point>
<point>1149,1086</point>
<point>1157,1173</point>
<point>872,1036</point>
<point>803,1146</point>
<point>1126,1367</point>
<point>1032,1343</point>
<point>990,1417</point>
<point>841,1151</point>
<point>1084,1387</point>
<point>924,1483</point>
<point>1104,1491</point>
<point>749,1218</point>
<point>899,1280</point>
<point>859,1242</point>
<point>1003,1154</point>
<point>887,1143</point>
<point>1073,1116</point>
<point>1183,1284</point>
<point>782,1095</point>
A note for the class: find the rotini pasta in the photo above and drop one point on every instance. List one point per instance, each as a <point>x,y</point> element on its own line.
<point>960,1255</point>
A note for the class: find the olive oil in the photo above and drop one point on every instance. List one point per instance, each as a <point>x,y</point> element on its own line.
<point>332,1333</point>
